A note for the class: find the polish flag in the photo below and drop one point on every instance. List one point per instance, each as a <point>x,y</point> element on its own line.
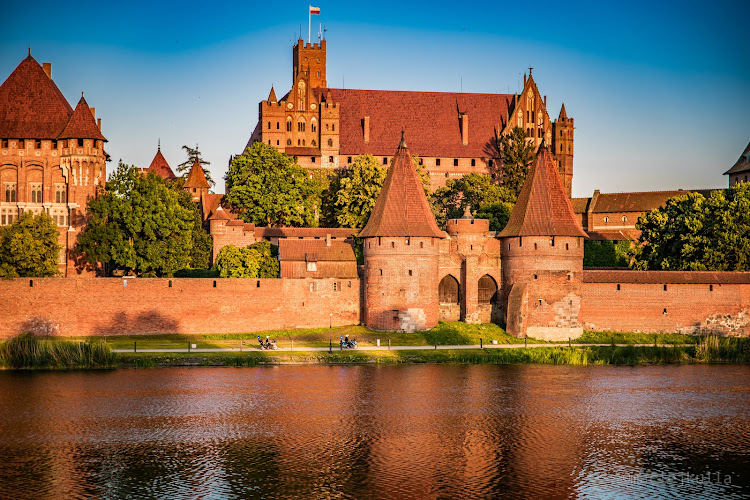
<point>314,10</point>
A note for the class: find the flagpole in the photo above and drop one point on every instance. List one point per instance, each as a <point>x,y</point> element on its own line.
<point>309,22</point>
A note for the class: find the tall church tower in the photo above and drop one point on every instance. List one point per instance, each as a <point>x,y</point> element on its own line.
<point>562,147</point>
<point>401,253</point>
<point>309,62</point>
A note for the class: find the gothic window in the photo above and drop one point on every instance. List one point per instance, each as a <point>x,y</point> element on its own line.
<point>36,192</point>
<point>289,124</point>
<point>277,125</point>
<point>60,193</point>
<point>301,96</point>
<point>520,118</point>
<point>561,148</point>
<point>312,143</point>
<point>288,142</point>
<point>330,143</point>
<point>448,290</point>
<point>269,125</point>
<point>487,290</point>
<point>7,216</point>
<point>301,125</point>
<point>333,127</point>
<point>313,126</point>
<point>277,142</point>
<point>10,192</point>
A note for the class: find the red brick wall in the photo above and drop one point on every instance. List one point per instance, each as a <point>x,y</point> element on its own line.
<point>103,306</point>
<point>389,287</point>
<point>639,307</point>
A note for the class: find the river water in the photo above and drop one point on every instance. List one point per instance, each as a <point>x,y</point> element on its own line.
<point>419,431</point>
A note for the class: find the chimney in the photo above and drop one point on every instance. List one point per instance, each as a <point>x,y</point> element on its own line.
<point>366,128</point>
<point>328,239</point>
<point>524,80</point>
<point>464,128</point>
<point>99,122</point>
<point>47,69</point>
<point>93,112</point>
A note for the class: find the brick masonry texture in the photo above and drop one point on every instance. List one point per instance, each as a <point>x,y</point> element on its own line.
<point>105,306</point>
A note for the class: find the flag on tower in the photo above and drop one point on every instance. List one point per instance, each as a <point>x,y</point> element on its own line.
<point>314,10</point>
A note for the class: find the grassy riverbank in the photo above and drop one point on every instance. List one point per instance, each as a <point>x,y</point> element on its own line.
<point>31,352</point>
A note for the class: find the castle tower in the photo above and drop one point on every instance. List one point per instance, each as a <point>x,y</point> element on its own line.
<point>401,248</point>
<point>160,167</point>
<point>309,62</point>
<point>562,147</point>
<point>542,258</point>
<point>196,183</point>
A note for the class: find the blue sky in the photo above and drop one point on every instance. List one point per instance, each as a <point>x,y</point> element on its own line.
<point>660,91</point>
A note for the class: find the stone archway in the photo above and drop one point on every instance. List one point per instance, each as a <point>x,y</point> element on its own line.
<point>449,295</point>
<point>488,300</point>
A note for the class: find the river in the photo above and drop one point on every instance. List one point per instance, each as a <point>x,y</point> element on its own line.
<point>417,431</point>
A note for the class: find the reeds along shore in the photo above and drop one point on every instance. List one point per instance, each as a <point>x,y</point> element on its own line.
<point>30,352</point>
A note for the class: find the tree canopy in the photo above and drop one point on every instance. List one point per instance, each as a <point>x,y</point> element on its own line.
<point>259,260</point>
<point>29,247</point>
<point>516,154</point>
<point>472,190</point>
<point>192,155</point>
<point>269,189</point>
<point>138,223</point>
<point>694,233</point>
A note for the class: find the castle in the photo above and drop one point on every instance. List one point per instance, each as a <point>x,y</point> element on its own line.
<point>454,134</point>
<point>53,157</point>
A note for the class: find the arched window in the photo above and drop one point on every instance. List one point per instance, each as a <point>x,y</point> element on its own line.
<point>313,125</point>
<point>301,125</point>
<point>448,290</point>
<point>487,290</point>
<point>330,143</point>
<point>288,123</point>
<point>301,96</point>
<point>288,142</point>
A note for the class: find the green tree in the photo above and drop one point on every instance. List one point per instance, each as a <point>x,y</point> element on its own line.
<point>138,223</point>
<point>692,233</point>
<point>516,154</point>
<point>202,242</point>
<point>472,190</point>
<point>606,253</point>
<point>194,154</point>
<point>497,213</point>
<point>29,247</point>
<point>269,189</point>
<point>259,260</point>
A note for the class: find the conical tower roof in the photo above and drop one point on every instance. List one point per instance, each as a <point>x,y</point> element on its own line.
<point>402,208</point>
<point>272,95</point>
<point>82,124</point>
<point>31,105</point>
<point>160,167</point>
<point>563,114</point>
<point>543,208</point>
<point>196,178</point>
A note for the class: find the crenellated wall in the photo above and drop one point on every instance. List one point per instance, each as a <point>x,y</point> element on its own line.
<point>112,306</point>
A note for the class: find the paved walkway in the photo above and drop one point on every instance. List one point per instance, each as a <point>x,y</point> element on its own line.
<point>376,348</point>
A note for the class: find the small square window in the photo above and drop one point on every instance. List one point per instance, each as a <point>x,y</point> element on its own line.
<point>473,162</point>
<point>437,162</point>
<point>455,162</point>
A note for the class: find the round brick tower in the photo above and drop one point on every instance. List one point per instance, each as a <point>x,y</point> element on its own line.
<point>542,258</point>
<point>401,248</point>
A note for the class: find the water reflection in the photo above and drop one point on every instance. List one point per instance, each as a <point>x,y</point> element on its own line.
<point>377,432</point>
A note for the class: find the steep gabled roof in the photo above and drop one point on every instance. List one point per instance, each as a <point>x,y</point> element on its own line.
<point>196,178</point>
<point>82,124</point>
<point>402,208</point>
<point>631,201</point>
<point>272,95</point>
<point>563,114</point>
<point>31,105</point>
<point>743,164</point>
<point>160,167</point>
<point>543,208</point>
<point>430,119</point>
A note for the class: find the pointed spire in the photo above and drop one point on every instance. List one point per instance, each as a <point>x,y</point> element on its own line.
<point>563,113</point>
<point>402,144</point>
<point>82,124</point>
<point>272,96</point>
<point>402,208</point>
<point>543,207</point>
<point>160,167</point>
<point>158,145</point>
<point>196,178</point>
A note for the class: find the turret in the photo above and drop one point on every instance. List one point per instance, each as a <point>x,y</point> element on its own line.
<point>562,147</point>
<point>401,248</point>
<point>542,258</point>
<point>196,183</point>
<point>309,61</point>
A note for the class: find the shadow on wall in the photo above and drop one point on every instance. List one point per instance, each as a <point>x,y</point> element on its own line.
<point>39,327</point>
<point>147,322</point>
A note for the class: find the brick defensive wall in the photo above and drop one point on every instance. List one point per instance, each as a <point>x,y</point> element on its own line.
<point>112,306</point>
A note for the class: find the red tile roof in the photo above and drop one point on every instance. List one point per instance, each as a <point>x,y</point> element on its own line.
<point>316,250</point>
<point>219,214</point>
<point>300,151</point>
<point>82,124</point>
<point>210,204</point>
<point>743,164</point>
<point>196,178</point>
<point>31,105</point>
<point>430,120</point>
<point>543,208</point>
<point>304,232</point>
<point>631,202</point>
<point>707,277</point>
<point>402,208</point>
<point>160,167</point>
